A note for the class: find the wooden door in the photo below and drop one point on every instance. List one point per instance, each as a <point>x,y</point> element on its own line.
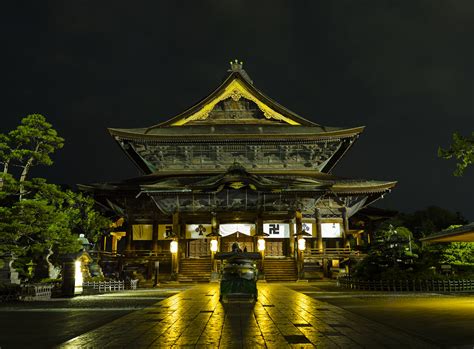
<point>199,248</point>
<point>274,248</point>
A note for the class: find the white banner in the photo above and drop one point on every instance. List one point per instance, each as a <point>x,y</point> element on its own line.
<point>229,229</point>
<point>331,230</point>
<point>307,227</point>
<point>198,231</point>
<point>142,231</point>
<point>277,230</point>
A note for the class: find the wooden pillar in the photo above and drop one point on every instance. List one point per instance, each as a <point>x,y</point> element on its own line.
<point>319,232</point>
<point>345,220</point>
<point>299,234</point>
<point>154,239</point>
<point>359,239</point>
<point>114,243</point>
<point>129,246</point>
<point>292,241</point>
<point>177,232</point>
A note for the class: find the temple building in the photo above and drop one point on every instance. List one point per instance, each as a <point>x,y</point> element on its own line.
<point>235,167</point>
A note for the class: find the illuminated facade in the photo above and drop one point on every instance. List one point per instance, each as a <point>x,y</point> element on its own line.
<point>237,166</point>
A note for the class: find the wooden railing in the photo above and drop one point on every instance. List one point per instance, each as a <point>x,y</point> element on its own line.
<point>133,253</point>
<point>110,286</point>
<point>337,252</point>
<point>407,285</point>
<point>147,253</point>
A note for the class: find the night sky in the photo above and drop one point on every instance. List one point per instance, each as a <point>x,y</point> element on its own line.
<point>404,69</point>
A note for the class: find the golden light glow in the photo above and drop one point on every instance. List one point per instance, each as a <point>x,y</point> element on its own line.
<point>214,245</point>
<point>301,244</point>
<point>261,244</point>
<point>335,263</point>
<point>236,90</point>
<point>174,246</point>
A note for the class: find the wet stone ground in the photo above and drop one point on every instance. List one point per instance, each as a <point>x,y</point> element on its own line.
<point>281,318</point>
<point>45,324</point>
<point>293,315</point>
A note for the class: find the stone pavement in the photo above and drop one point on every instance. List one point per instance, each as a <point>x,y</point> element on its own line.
<point>281,318</point>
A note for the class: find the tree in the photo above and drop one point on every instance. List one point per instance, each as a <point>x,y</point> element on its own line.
<point>462,149</point>
<point>30,144</point>
<point>39,220</point>
<point>392,251</point>
<point>428,221</point>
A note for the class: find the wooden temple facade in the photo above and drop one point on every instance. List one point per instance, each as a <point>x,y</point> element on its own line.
<point>235,167</point>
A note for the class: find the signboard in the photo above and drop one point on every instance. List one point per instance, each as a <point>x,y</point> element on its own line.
<point>331,230</point>
<point>276,230</point>
<point>142,231</point>
<point>165,231</point>
<point>198,231</point>
<point>229,229</point>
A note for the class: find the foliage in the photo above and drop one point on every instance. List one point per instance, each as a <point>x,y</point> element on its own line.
<point>7,289</point>
<point>460,253</point>
<point>39,220</point>
<point>30,144</point>
<point>428,221</point>
<point>462,149</point>
<point>392,251</point>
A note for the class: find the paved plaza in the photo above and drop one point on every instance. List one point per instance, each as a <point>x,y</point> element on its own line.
<point>281,318</point>
<point>292,315</point>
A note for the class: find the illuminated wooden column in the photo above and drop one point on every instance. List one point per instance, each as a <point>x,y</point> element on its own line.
<point>345,222</point>
<point>128,246</point>
<point>260,247</point>
<point>292,240</point>
<point>176,232</point>
<point>359,238</point>
<point>154,239</point>
<point>319,232</point>
<point>299,235</point>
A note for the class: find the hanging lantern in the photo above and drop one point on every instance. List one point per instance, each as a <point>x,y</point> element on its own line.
<point>301,244</point>
<point>174,246</point>
<point>261,244</point>
<point>214,245</point>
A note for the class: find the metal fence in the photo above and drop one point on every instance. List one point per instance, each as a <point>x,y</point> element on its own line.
<point>407,285</point>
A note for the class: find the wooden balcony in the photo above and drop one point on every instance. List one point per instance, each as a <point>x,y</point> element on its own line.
<point>332,253</point>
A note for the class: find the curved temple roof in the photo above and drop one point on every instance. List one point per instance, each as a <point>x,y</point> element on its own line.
<point>234,109</point>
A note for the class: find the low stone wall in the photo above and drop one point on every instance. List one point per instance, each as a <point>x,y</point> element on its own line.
<point>407,285</point>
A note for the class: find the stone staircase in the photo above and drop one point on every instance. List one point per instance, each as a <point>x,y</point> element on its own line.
<point>278,270</point>
<point>194,270</point>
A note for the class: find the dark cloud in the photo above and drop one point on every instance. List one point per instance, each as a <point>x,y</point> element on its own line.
<point>403,68</point>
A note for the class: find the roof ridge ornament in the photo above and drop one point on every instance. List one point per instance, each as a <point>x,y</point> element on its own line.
<point>236,66</point>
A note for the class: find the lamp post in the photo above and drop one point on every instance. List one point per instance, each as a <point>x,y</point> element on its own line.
<point>301,248</point>
<point>261,248</point>
<point>214,247</point>
<point>174,252</point>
